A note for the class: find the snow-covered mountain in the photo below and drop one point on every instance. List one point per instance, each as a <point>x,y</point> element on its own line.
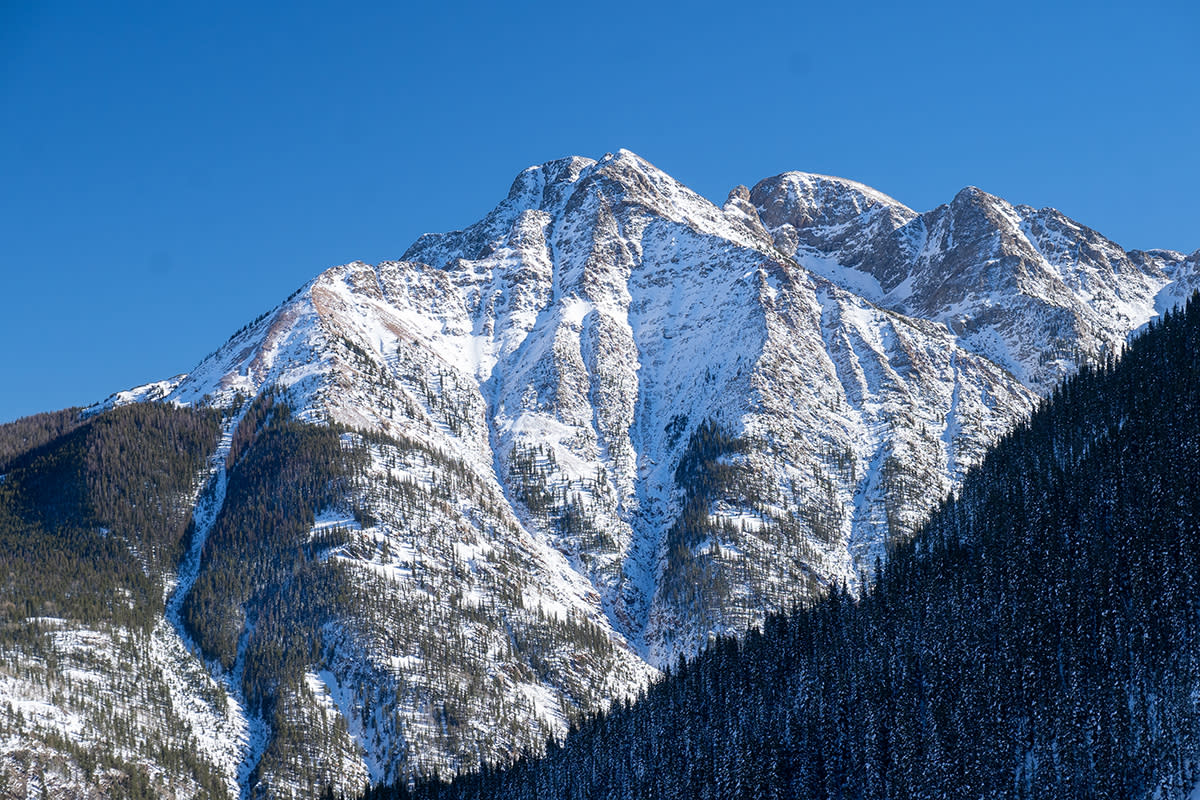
<point>1031,290</point>
<point>612,418</point>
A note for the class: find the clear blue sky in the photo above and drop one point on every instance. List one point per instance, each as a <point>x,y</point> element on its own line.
<point>170,170</point>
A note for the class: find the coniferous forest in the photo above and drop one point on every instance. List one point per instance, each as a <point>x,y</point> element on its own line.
<point>94,512</point>
<point>1039,638</point>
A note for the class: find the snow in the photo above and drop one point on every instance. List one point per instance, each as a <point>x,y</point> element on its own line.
<point>544,605</point>
<point>220,730</point>
<point>545,704</point>
<point>326,686</point>
<point>574,310</point>
<point>155,390</point>
<point>234,738</point>
<point>96,681</point>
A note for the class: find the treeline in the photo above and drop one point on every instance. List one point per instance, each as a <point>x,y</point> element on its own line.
<point>1038,639</point>
<point>91,519</point>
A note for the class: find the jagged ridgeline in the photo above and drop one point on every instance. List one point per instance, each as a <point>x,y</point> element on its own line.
<point>1038,639</point>
<point>94,516</point>
<point>518,471</point>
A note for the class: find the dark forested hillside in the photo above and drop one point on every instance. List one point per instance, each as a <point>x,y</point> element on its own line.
<point>1039,638</point>
<point>266,589</point>
<point>94,516</point>
<point>282,473</point>
<point>95,511</point>
<point>22,435</point>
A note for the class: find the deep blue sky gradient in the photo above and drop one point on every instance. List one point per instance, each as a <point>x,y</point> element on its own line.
<point>168,171</point>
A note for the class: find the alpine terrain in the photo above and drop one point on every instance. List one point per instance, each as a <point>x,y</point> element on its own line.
<point>1038,638</point>
<point>425,514</point>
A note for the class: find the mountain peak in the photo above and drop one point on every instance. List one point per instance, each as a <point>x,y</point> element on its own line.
<point>826,213</point>
<point>533,179</point>
<point>842,221</point>
<point>974,196</point>
<point>627,174</point>
<point>817,182</point>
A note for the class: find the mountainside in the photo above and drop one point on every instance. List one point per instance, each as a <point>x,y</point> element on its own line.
<point>1031,290</point>
<point>1038,639</point>
<point>464,497</point>
<point>97,696</point>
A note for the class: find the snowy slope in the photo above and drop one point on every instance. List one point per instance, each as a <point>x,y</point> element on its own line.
<point>1029,289</point>
<point>624,418</point>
